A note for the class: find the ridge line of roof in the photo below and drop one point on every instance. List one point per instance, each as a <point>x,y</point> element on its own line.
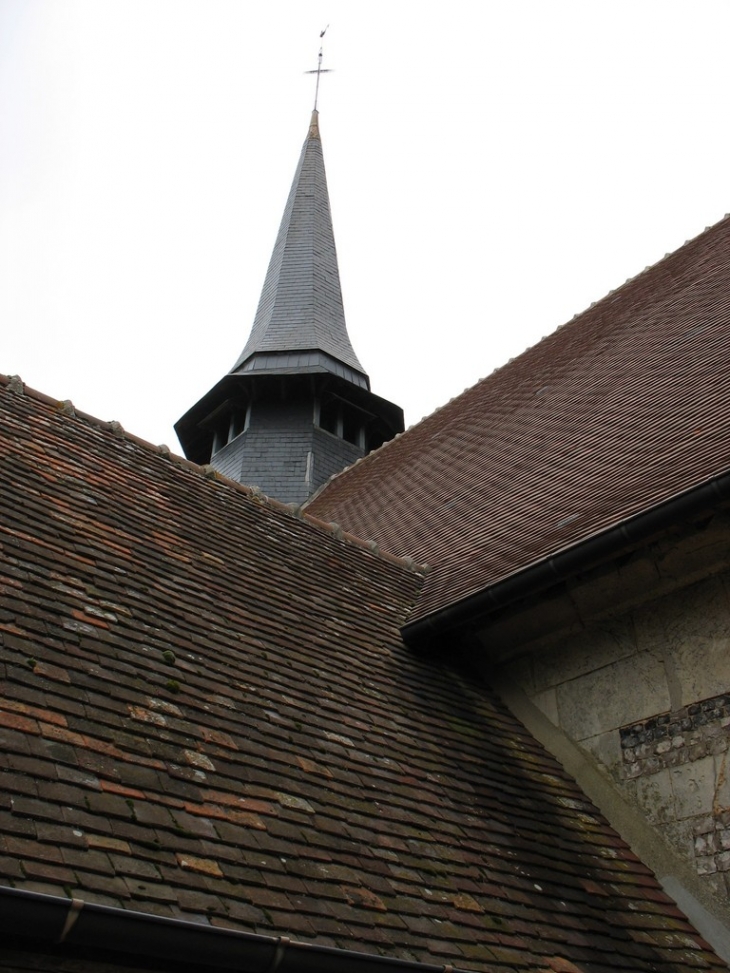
<point>65,407</point>
<point>620,288</point>
<point>357,462</point>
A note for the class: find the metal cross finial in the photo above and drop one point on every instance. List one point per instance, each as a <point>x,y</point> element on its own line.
<point>320,70</point>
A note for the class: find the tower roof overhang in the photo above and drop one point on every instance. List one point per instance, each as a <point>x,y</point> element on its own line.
<point>232,392</point>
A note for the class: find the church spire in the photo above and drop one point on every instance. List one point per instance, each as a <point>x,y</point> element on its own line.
<point>300,321</point>
<point>296,407</point>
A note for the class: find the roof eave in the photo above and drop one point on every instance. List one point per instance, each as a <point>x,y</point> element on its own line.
<point>467,614</point>
<point>54,921</point>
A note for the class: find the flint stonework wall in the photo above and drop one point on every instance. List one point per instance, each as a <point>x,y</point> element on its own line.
<point>647,692</point>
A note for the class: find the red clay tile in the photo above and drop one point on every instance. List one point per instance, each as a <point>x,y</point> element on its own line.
<point>623,408</point>
<point>402,797</point>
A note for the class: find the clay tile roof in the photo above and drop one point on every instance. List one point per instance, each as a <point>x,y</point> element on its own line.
<point>616,412</point>
<point>208,713</point>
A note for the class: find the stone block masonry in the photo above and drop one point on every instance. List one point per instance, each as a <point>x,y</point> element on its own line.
<point>645,688</point>
<point>679,761</point>
<point>672,739</point>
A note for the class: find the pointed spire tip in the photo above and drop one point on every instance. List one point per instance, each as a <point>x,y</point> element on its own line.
<point>314,125</point>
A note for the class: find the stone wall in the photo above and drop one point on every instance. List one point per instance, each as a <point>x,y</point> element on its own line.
<point>645,689</point>
<point>678,762</point>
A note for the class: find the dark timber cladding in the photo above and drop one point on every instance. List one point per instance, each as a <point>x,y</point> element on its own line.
<point>296,407</point>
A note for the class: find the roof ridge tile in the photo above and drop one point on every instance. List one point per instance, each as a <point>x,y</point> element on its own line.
<point>620,288</point>
<point>66,408</point>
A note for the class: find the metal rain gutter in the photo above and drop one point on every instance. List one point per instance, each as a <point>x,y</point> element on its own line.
<point>55,921</point>
<point>469,612</point>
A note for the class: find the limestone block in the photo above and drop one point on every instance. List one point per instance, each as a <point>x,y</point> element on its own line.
<point>649,625</point>
<point>694,787</point>
<point>692,628</point>
<point>547,702</point>
<point>680,834</point>
<point>616,695</point>
<point>656,796</point>
<point>579,654</point>
<point>606,748</point>
<point>702,667</point>
<point>721,799</point>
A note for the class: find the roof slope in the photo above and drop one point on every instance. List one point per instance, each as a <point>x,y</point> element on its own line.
<point>242,738</point>
<point>619,410</point>
<point>301,308</point>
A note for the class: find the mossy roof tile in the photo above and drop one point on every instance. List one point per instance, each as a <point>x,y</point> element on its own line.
<point>208,703</point>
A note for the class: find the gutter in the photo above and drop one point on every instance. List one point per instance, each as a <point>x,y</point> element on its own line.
<point>467,614</point>
<point>51,921</point>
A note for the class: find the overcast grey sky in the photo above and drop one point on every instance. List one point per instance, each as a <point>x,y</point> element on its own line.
<point>493,169</point>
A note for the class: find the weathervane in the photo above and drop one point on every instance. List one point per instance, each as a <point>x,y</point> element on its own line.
<point>320,70</point>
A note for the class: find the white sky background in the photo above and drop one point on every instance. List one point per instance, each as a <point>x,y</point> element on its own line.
<point>493,169</point>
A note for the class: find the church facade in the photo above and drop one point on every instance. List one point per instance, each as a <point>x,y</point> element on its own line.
<point>316,697</point>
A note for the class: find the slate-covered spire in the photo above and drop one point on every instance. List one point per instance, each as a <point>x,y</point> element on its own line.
<point>301,309</point>
<point>296,407</point>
